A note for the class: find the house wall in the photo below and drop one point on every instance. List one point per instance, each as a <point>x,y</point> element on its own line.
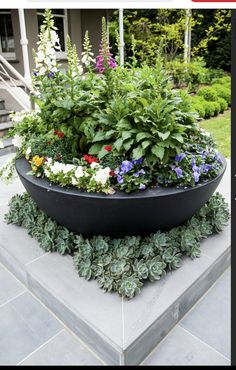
<point>79,20</point>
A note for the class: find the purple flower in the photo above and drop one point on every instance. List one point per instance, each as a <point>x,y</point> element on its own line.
<point>105,59</point>
<point>140,172</point>
<point>117,171</point>
<point>172,166</point>
<point>193,162</point>
<point>178,171</point>
<point>142,187</point>
<point>180,156</point>
<point>120,179</point>
<point>196,176</point>
<point>206,167</point>
<point>126,166</point>
<point>196,169</point>
<point>36,74</point>
<point>137,161</point>
<point>51,74</point>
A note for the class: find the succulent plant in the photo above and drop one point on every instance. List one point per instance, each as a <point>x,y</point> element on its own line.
<point>160,240</point>
<point>129,286</point>
<point>119,267</point>
<point>141,269</point>
<point>172,257</point>
<point>85,269</point>
<point>106,283</point>
<point>100,244</point>
<point>156,268</point>
<point>147,250</point>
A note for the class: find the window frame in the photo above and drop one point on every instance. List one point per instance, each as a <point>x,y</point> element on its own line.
<point>7,55</point>
<point>61,54</point>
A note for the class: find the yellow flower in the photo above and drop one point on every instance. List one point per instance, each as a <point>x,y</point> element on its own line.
<point>34,168</point>
<point>37,161</point>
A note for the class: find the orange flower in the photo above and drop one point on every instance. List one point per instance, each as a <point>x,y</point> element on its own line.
<point>37,161</point>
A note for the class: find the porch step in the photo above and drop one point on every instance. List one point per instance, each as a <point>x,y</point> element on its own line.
<point>4,128</point>
<point>2,104</point>
<point>121,332</point>
<point>4,115</point>
<point>8,147</point>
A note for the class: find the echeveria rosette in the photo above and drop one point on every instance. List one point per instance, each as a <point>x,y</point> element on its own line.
<point>129,286</point>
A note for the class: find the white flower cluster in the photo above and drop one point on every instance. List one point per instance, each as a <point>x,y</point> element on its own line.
<point>94,177</point>
<point>17,117</point>
<point>17,141</point>
<point>87,55</point>
<point>45,58</point>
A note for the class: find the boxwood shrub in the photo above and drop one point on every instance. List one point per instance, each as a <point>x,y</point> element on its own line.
<point>223,91</point>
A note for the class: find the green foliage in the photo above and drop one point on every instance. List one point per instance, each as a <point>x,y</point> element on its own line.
<point>121,265</point>
<point>223,104</point>
<point>208,93</point>
<point>223,91</point>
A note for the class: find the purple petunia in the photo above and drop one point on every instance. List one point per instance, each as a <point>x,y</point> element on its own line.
<point>180,157</point>
<point>179,172</point>
<point>196,176</point>
<point>140,172</point>
<point>117,171</point>
<point>126,166</point>
<point>137,161</point>
<point>206,167</point>
<point>36,74</point>
<point>142,187</point>
<point>120,179</point>
<point>196,169</point>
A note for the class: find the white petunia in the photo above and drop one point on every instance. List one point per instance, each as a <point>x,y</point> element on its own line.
<point>46,173</point>
<point>102,175</point>
<point>79,172</point>
<point>94,165</point>
<point>17,141</point>
<point>28,150</point>
<point>74,181</point>
<point>57,167</point>
<point>67,168</point>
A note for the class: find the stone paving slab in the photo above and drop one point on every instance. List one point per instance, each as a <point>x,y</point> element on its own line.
<point>182,348</point>
<point>120,331</point>
<point>10,287</point>
<point>63,349</point>
<point>210,320</point>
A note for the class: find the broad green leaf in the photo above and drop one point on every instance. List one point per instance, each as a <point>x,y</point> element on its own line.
<point>126,135</point>
<point>163,135</point>
<point>178,137</point>
<point>118,144</point>
<point>138,152</point>
<point>158,151</point>
<point>127,144</point>
<point>100,135</point>
<point>145,143</point>
<point>95,148</point>
<point>143,135</point>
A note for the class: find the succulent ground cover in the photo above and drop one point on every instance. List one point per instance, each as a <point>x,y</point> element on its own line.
<point>124,264</point>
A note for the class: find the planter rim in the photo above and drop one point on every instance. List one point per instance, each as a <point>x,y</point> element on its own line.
<point>22,167</point>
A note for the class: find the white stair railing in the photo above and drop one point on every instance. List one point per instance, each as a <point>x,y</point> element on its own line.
<point>11,77</point>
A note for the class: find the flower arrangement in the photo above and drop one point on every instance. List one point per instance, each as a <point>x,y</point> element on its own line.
<point>103,128</point>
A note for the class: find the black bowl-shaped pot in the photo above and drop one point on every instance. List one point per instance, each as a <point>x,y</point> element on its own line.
<point>119,214</point>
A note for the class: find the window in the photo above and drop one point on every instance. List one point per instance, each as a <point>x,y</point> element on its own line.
<point>60,20</point>
<point>7,43</point>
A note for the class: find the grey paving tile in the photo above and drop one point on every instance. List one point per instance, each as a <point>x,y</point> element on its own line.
<point>10,287</point>
<point>64,349</point>
<point>16,340</point>
<point>209,320</point>
<point>7,191</point>
<point>103,311</point>
<point>156,298</point>
<point>181,348</point>
<point>41,322</point>
<point>17,248</point>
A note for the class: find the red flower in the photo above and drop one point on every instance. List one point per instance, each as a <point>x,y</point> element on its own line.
<point>90,159</point>
<point>111,173</point>
<point>60,134</point>
<point>108,148</point>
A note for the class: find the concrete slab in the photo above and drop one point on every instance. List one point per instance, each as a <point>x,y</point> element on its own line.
<point>21,323</point>
<point>63,349</point>
<point>210,320</point>
<point>182,348</point>
<point>9,286</point>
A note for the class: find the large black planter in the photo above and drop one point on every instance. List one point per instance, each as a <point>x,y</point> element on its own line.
<point>119,214</point>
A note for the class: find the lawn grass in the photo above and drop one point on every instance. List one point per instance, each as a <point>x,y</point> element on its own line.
<point>219,127</point>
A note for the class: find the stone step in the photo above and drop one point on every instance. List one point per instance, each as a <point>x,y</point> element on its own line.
<point>8,147</point>
<point>4,115</point>
<point>4,128</point>
<point>2,104</point>
<point>121,332</point>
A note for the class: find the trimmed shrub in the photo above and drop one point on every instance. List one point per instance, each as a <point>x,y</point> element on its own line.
<point>223,104</point>
<point>225,80</point>
<point>209,109</point>
<point>223,91</point>
<point>198,104</point>
<point>208,93</point>
<point>217,107</point>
